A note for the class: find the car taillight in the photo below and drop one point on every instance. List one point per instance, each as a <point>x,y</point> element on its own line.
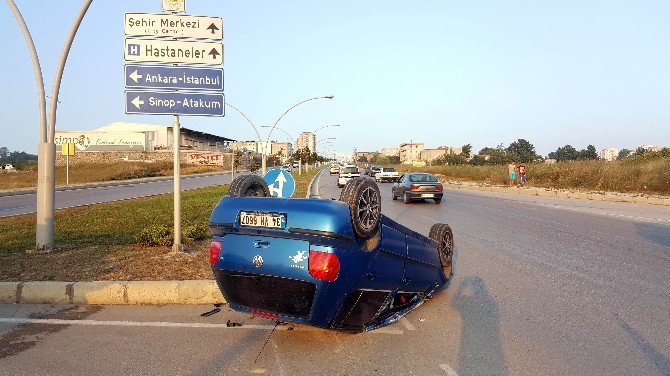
<point>439,187</point>
<point>414,187</point>
<point>214,252</point>
<point>323,265</point>
<point>265,314</point>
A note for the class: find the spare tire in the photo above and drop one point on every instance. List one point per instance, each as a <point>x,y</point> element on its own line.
<point>249,185</point>
<point>364,201</point>
<point>444,237</point>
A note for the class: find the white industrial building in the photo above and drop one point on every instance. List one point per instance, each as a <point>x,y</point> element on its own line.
<point>122,136</point>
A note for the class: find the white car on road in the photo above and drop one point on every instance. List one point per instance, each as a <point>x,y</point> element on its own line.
<point>387,174</point>
<point>346,174</point>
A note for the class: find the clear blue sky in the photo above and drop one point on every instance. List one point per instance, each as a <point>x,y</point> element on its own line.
<point>438,72</point>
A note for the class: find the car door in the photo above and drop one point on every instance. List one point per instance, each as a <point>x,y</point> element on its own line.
<point>398,186</point>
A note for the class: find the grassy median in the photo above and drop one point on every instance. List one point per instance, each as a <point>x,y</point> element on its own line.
<point>97,242</point>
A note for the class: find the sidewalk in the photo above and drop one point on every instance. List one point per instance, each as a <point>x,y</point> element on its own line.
<point>562,193</point>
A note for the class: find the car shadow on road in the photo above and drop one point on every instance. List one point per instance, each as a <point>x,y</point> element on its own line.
<point>660,361</point>
<point>480,348</point>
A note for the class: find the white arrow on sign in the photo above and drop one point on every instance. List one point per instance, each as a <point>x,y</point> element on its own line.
<point>135,76</point>
<point>137,102</point>
<point>277,192</point>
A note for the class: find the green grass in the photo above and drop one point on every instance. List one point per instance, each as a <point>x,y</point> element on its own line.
<point>117,223</point>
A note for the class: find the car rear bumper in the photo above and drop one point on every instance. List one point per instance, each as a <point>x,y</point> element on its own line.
<point>425,194</point>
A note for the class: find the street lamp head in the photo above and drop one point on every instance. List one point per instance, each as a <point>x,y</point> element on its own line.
<point>329,96</point>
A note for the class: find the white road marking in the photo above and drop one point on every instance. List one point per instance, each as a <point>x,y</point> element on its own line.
<point>408,325</point>
<point>450,371</point>
<point>163,324</point>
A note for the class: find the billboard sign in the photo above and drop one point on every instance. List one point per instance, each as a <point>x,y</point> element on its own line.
<point>102,141</point>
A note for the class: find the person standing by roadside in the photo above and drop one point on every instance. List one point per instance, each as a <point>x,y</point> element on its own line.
<point>511,172</point>
<point>522,174</point>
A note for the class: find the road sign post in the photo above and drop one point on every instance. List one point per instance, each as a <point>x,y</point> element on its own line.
<point>151,79</point>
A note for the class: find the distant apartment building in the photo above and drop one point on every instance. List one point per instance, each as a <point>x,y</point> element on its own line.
<point>390,152</point>
<point>410,152</point>
<point>609,154</point>
<point>306,140</point>
<point>260,147</point>
<point>430,155</point>
<point>359,154</point>
<point>650,148</point>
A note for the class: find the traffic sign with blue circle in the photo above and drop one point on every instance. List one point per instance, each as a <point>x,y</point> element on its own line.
<point>280,183</point>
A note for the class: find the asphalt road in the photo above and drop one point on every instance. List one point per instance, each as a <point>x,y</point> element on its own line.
<point>543,286</point>
<point>26,203</point>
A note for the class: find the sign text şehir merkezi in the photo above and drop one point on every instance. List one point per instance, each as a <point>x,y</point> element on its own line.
<point>173,26</point>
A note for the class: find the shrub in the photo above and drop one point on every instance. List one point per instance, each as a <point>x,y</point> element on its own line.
<point>196,231</point>
<point>155,235</point>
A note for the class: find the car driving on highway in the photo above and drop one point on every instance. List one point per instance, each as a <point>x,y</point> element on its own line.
<point>347,173</point>
<point>417,186</point>
<point>334,169</point>
<point>336,264</point>
<point>386,174</point>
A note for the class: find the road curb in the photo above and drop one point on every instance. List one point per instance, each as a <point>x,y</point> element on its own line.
<point>25,191</point>
<point>111,292</point>
<point>595,196</point>
<point>314,184</point>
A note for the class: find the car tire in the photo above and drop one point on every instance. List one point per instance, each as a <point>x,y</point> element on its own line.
<point>393,196</point>
<point>444,237</point>
<point>437,200</point>
<point>249,186</point>
<point>364,201</point>
<point>405,198</point>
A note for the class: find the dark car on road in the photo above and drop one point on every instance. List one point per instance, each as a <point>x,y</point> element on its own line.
<point>336,264</point>
<point>417,186</point>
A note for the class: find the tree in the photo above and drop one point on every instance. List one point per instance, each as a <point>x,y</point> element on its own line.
<point>4,152</point>
<point>640,151</point>
<point>589,153</point>
<point>237,159</point>
<point>522,151</point>
<point>478,160</point>
<point>623,153</point>
<point>565,153</point>
<point>362,159</point>
<point>394,159</point>
<point>466,150</point>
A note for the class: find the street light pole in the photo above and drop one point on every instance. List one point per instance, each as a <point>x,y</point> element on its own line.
<point>327,96</point>
<point>46,149</point>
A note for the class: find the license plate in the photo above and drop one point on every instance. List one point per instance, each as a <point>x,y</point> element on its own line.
<point>266,220</point>
<point>427,195</point>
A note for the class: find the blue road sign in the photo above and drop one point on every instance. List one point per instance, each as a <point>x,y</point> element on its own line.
<point>166,77</point>
<point>170,103</point>
<point>280,183</point>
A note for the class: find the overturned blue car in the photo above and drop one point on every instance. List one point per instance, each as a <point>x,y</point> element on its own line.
<point>335,264</point>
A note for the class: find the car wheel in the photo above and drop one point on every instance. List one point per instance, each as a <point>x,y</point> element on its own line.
<point>364,200</point>
<point>393,196</point>
<point>249,185</point>
<point>405,198</point>
<point>444,237</point>
<point>437,200</point>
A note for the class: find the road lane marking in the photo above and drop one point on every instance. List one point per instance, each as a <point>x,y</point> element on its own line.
<point>163,324</point>
<point>450,371</point>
